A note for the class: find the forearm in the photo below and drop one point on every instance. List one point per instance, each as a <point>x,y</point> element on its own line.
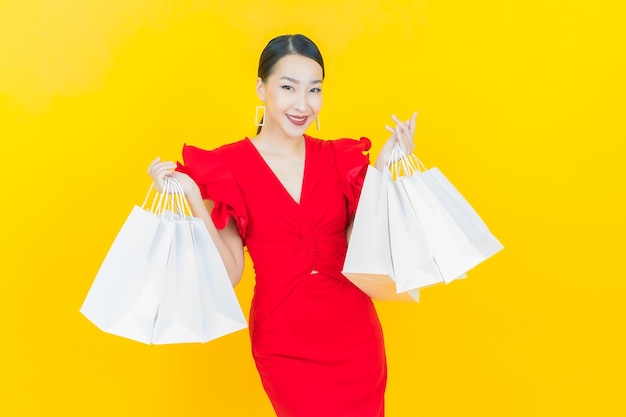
<point>380,164</point>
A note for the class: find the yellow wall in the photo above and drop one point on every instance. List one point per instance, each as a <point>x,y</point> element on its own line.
<point>522,105</point>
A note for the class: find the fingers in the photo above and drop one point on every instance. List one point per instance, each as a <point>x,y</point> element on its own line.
<point>404,132</point>
<point>158,167</point>
<point>405,140</point>
<point>411,123</point>
<point>158,170</point>
<point>401,126</point>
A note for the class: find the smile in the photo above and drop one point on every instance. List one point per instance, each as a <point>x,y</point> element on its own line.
<point>297,120</point>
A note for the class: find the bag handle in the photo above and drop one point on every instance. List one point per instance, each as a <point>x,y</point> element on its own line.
<point>147,196</point>
<point>171,199</point>
<point>402,164</point>
<point>392,164</point>
<point>178,199</point>
<point>161,200</point>
<point>174,199</point>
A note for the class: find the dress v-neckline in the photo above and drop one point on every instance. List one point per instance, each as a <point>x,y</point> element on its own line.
<point>277,180</point>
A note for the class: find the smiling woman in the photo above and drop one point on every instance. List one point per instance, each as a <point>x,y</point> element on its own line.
<point>316,338</point>
<point>290,53</point>
<point>512,94</point>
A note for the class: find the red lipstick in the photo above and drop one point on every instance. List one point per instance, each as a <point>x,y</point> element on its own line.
<point>297,120</point>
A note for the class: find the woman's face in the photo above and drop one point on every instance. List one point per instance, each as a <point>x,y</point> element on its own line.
<point>292,95</point>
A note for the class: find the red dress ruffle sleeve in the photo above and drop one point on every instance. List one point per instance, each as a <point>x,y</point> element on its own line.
<point>352,166</point>
<point>216,182</point>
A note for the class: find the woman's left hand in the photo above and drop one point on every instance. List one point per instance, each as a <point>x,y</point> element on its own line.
<point>403,135</point>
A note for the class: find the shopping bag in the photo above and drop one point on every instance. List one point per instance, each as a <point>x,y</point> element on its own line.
<point>159,279</point>
<point>368,248</point>
<point>124,297</point>
<point>413,260</point>
<point>222,313</point>
<point>368,259</point>
<point>454,236</point>
<point>198,302</point>
<point>475,229</point>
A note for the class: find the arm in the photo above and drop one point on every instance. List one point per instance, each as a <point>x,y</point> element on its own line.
<point>403,134</point>
<point>228,242</point>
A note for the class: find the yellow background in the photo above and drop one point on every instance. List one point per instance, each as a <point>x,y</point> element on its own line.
<point>522,106</point>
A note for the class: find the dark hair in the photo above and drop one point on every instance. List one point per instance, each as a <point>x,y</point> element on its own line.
<point>285,45</point>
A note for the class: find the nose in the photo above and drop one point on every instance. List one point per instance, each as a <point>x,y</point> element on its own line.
<point>300,103</point>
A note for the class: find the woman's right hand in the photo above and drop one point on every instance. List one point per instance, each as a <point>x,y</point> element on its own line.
<point>158,171</point>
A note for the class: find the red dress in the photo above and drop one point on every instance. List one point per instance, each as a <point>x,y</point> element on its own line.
<point>316,338</point>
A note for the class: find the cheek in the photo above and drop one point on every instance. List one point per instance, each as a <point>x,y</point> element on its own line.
<point>281,98</point>
<point>316,103</point>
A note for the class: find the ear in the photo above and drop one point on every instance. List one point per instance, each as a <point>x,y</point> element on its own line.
<point>260,89</point>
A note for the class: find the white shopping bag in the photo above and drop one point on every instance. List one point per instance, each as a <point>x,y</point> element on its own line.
<point>222,313</point>
<point>124,297</point>
<point>475,230</point>
<point>368,249</point>
<point>413,260</point>
<point>454,236</point>
<point>368,259</point>
<point>198,302</point>
<point>159,279</point>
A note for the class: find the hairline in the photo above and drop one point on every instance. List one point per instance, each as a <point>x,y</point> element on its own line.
<point>292,51</point>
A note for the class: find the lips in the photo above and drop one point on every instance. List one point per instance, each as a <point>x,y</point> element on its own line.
<point>297,120</point>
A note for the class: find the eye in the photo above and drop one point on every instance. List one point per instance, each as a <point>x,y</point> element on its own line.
<point>316,90</point>
<point>287,87</point>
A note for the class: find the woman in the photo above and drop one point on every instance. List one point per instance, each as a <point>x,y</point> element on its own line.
<point>290,198</point>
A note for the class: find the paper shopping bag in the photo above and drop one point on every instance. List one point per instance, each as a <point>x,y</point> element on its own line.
<point>159,279</point>
<point>124,296</point>
<point>450,245</point>
<point>413,260</point>
<point>198,302</point>
<point>368,259</point>
<point>454,236</point>
<point>222,313</point>
<point>479,238</point>
<point>179,316</point>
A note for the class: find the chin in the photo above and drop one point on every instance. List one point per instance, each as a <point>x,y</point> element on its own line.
<point>296,132</point>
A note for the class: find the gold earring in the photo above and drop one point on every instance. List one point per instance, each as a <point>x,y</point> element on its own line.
<point>317,122</point>
<point>256,116</point>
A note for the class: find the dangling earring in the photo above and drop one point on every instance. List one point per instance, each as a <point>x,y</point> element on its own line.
<point>256,116</point>
<point>317,122</point>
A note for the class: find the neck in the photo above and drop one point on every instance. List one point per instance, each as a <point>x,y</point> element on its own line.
<point>278,142</point>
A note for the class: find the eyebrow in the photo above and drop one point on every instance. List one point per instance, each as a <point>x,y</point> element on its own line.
<point>293,80</point>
